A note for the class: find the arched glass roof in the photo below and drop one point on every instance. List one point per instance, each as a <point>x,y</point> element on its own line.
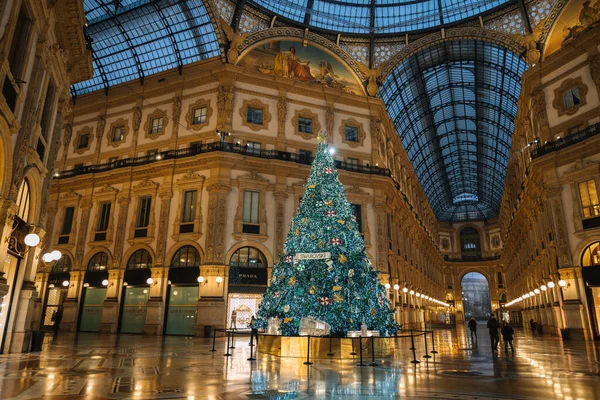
<point>378,16</point>
<point>131,39</point>
<point>453,105</point>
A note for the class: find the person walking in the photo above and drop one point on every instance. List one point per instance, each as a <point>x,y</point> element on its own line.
<point>532,325</point>
<point>507,335</point>
<point>493,327</point>
<point>56,318</point>
<point>473,328</point>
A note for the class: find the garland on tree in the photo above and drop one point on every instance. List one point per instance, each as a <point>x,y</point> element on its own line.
<point>343,290</point>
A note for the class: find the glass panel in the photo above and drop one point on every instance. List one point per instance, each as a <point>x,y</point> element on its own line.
<point>139,260</point>
<point>305,125</point>
<point>133,316</point>
<point>55,299</point>
<point>589,198</point>
<point>103,217</point>
<point>67,221</point>
<point>183,307</point>
<point>251,207</point>
<point>118,133</point>
<point>143,212</point>
<point>23,200</point>
<point>199,116</point>
<point>254,116</point>
<point>351,133</point>
<point>189,206</point>
<point>91,314</point>
<point>99,262</point>
<point>157,124</point>
<point>187,256</point>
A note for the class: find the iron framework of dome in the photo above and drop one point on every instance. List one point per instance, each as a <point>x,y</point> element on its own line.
<point>453,105</point>
<point>378,17</point>
<point>131,40</point>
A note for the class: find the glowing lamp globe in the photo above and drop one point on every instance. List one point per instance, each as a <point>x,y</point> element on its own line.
<point>396,287</point>
<point>47,257</point>
<point>56,255</point>
<point>531,294</point>
<point>32,239</point>
<point>551,284</point>
<point>544,288</point>
<point>105,282</point>
<point>405,290</point>
<point>387,286</point>
<point>412,292</point>
<point>536,291</point>
<point>562,283</point>
<point>149,281</point>
<point>200,279</point>
<point>65,283</point>
<point>219,279</point>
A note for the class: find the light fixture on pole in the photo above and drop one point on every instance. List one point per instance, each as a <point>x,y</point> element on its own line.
<point>551,284</point>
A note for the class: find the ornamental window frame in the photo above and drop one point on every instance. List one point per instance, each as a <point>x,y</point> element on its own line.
<point>72,200</point>
<point>119,123</point>
<point>565,86</point>
<point>307,114</point>
<point>361,134</point>
<point>252,182</point>
<point>86,130</point>
<point>156,114</point>
<point>256,104</point>
<point>200,103</point>
<point>145,188</point>
<point>107,194</point>
<point>359,197</point>
<point>190,181</point>
<point>594,207</point>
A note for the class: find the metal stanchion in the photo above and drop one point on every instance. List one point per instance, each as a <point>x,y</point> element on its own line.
<point>252,358</point>
<point>353,351</point>
<point>412,340</point>
<point>373,363</point>
<point>214,339</point>
<point>307,362</point>
<point>228,337</point>
<point>433,344</point>
<point>426,352</point>
<point>232,339</point>
<point>360,364</point>
<point>330,354</point>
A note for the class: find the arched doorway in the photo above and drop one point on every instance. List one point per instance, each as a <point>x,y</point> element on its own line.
<point>56,291</point>
<point>182,295</point>
<point>590,261</point>
<point>94,292</point>
<point>476,296</point>
<point>247,283</point>
<point>136,293</point>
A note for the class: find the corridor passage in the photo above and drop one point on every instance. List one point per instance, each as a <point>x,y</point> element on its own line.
<point>144,367</point>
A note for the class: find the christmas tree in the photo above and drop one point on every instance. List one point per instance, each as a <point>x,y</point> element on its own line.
<point>325,272</point>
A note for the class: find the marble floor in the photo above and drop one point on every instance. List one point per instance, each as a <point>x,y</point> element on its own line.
<point>95,366</point>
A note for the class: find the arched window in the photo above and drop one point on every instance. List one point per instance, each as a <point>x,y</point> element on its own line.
<point>591,255</point>
<point>99,262</point>
<point>23,200</point>
<point>186,256</point>
<point>248,257</point>
<point>139,260</point>
<point>63,264</point>
<point>503,298</point>
<point>470,242</point>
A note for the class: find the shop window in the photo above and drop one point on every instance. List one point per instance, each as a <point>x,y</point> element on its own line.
<point>254,116</point>
<point>499,278</point>
<point>99,262</point>
<point>139,260</point>
<point>67,225</point>
<point>186,256</point>
<point>143,217</point>
<point>103,221</point>
<point>23,200</point>
<point>305,125</point>
<point>62,265</point>
<point>188,211</point>
<point>199,115</point>
<point>248,257</point>
<point>591,255</point>
<point>589,198</point>
<point>251,212</point>
<point>196,146</point>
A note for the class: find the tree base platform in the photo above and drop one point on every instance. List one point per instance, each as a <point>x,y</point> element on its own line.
<point>325,347</point>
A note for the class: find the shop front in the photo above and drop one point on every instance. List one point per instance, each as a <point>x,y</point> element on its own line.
<point>94,293</point>
<point>56,291</point>
<point>134,301</point>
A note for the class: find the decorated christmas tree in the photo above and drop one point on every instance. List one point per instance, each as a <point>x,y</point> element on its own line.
<point>325,272</point>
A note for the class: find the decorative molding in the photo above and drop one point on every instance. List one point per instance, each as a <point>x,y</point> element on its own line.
<point>118,123</point>
<point>351,122</point>
<point>316,126</point>
<point>255,103</point>
<point>148,125</point>
<point>559,92</point>
<point>86,130</point>
<point>200,103</point>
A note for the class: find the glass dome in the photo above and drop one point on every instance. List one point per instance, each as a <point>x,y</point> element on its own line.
<point>377,16</point>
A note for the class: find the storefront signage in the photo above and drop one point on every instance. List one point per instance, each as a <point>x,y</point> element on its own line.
<point>247,276</point>
<point>312,256</point>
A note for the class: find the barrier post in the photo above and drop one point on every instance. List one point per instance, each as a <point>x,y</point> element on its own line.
<point>433,344</point>
<point>228,347</point>
<point>353,351</point>
<point>307,362</point>
<point>214,339</point>
<point>252,358</point>
<point>232,339</point>
<point>412,340</point>
<point>330,354</point>
<point>373,363</point>
<point>360,364</point>
<point>426,352</point>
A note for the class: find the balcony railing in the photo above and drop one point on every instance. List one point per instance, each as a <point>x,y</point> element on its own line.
<point>213,147</point>
<point>471,258</point>
<point>567,141</point>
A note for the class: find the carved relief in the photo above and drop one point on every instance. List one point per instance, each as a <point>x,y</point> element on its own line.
<point>176,114</point>
<point>137,118</point>
<point>281,114</point>
<point>308,114</point>
<point>225,99</point>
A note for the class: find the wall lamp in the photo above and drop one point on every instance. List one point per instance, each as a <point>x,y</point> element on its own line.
<point>396,287</point>
<point>563,284</point>
<point>219,280</point>
<point>387,286</point>
<point>202,281</point>
<point>151,282</point>
<point>405,290</point>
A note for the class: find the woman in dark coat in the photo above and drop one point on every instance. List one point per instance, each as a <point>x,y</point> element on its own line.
<point>508,336</point>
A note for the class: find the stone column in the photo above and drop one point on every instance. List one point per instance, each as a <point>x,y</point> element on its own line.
<point>71,303</point>
<point>282,109</point>
<point>381,238</point>
<point>86,206</point>
<point>123,200</point>
<point>110,308</point>
<point>161,241</point>
<point>8,210</point>
<point>155,306</point>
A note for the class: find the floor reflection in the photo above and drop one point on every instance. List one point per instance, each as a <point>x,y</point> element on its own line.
<point>141,367</point>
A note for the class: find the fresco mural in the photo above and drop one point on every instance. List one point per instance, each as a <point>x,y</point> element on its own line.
<point>290,59</point>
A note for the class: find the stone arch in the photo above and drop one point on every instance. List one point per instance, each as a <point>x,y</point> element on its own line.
<point>286,33</point>
<point>6,166</point>
<point>92,253</point>
<point>133,249</point>
<point>250,243</point>
<point>464,33</point>
<point>479,270</point>
<point>34,179</point>
<point>580,248</point>
<point>175,248</point>
<point>456,236</point>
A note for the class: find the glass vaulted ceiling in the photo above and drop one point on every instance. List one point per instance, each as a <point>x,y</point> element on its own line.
<point>378,16</point>
<point>131,39</point>
<point>453,105</point>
